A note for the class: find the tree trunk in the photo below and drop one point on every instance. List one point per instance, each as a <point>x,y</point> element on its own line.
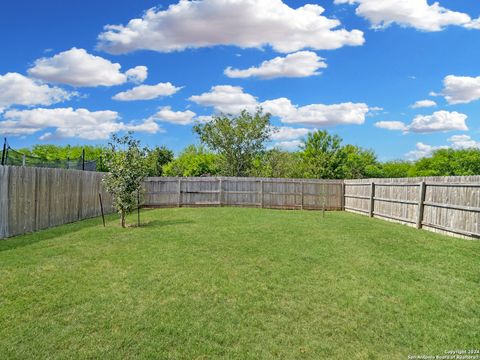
<point>122,217</point>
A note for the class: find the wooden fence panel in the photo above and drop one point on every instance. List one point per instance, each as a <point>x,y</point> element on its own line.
<point>162,193</point>
<point>251,192</point>
<point>4,177</point>
<point>242,192</point>
<point>32,199</point>
<point>451,204</point>
<point>204,192</point>
<point>36,198</point>
<point>357,196</point>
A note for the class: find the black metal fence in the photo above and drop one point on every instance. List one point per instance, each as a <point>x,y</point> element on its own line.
<point>10,156</point>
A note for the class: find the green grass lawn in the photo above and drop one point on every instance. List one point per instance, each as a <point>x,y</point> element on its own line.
<point>238,284</point>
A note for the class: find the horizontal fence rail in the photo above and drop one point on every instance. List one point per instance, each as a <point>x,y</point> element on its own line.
<point>32,199</point>
<point>443,204</point>
<point>249,192</point>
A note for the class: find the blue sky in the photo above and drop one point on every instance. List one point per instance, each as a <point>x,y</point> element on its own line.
<point>358,77</point>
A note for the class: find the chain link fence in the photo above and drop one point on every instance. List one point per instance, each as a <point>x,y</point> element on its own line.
<point>13,157</point>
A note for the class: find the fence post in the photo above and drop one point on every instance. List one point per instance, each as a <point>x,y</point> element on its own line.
<point>101,208</point>
<point>421,204</point>
<point>179,199</point>
<point>83,159</point>
<point>261,193</point>
<point>220,193</point>
<point>372,199</point>
<point>342,196</point>
<point>4,152</point>
<point>324,199</point>
<point>302,183</point>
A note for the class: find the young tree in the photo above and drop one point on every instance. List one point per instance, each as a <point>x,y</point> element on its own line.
<point>238,140</point>
<point>127,165</point>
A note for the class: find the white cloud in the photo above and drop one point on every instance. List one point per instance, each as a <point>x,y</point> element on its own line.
<point>166,114</point>
<point>290,145</point>
<point>138,74</point>
<point>474,24</point>
<point>243,23</point>
<point>463,142</point>
<point>147,92</point>
<point>204,118</point>
<point>391,125</point>
<point>78,68</point>
<point>232,100</point>
<point>289,138</point>
<point>438,121</point>
<point>69,122</point>
<point>461,89</point>
<point>317,114</point>
<point>423,104</point>
<point>281,107</point>
<point>409,13</point>
<point>285,133</point>
<point>458,142</point>
<point>422,150</point>
<point>299,64</point>
<point>16,89</point>
<point>226,99</point>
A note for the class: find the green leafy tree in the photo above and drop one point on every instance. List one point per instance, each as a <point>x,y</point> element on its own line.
<point>193,161</point>
<point>73,153</point>
<point>358,163</point>
<point>396,169</point>
<point>56,152</point>
<point>238,140</point>
<point>127,165</point>
<point>323,155</point>
<point>448,162</point>
<point>157,158</point>
<point>276,163</point>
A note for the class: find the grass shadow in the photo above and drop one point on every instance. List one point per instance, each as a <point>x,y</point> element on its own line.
<point>28,239</point>
<point>162,223</point>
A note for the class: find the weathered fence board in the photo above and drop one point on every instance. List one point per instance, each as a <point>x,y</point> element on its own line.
<point>32,199</point>
<point>443,204</point>
<point>250,192</point>
<point>38,198</point>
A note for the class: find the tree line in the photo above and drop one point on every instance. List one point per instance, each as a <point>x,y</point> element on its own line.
<point>237,146</point>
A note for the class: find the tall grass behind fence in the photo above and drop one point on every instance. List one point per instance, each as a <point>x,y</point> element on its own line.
<point>443,204</point>
<point>248,192</point>
<point>32,199</point>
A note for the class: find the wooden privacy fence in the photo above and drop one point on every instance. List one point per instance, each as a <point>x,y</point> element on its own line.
<point>443,204</point>
<point>38,198</point>
<point>248,192</point>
